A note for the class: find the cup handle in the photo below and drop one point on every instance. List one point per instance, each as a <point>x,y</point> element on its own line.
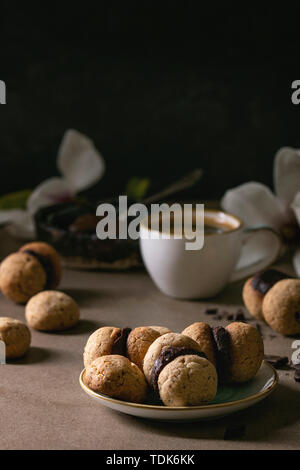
<point>261,247</point>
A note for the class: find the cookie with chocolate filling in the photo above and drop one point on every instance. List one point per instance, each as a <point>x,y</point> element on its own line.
<point>188,380</point>
<point>21,277</point>
<point>214,342</point>
<point>104,341</point>
<point>256,288</point>
<point>222,352</point>
<point>117,377</point>
<point>183,376</point>
<point>49,259</point>
<point>163,342</point>
<point>281,307</point>
<point>236,350</point>
<point>166,357</point>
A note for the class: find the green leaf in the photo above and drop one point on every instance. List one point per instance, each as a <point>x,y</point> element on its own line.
<point>15,200</point>
<point>137,188</point>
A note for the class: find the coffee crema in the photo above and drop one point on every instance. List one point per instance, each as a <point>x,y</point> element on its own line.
<point>215,229</point>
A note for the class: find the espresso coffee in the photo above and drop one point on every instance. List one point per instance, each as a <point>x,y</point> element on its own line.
<point>210,229</point>
<point>211,226</point>
<point>214,225</point>
<point>195,265</point>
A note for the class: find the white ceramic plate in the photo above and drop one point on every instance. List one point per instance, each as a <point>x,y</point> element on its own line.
<point>229,399</point>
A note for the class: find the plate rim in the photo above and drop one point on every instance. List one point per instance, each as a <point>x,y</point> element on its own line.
<point>143,406</point>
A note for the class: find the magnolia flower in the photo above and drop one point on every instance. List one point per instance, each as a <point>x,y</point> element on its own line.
<point>80,165</point>
<point>257,205</point>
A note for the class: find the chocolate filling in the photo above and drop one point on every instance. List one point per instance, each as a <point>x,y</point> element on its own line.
<point>48,268</point>
<point>263,281</point>
<point>119,346</point>
<point>276,361</point>
<point>222,350</point>
<point>166,356</point>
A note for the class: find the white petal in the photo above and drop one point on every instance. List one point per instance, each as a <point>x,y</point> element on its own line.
<point>79,161</point>
<point>51,191</point>
<point>296,206</point>
<point>287,174</point>
<point>255,204</point>
<point>296,262</point>
<point>22,227</point>
<point>8,215</point>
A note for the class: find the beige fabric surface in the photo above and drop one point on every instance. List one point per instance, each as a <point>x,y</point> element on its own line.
<point>43,406</point>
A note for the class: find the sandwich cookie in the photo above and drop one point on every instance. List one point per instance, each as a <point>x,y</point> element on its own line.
<point>281,307</point>
<point>256,288</point>
<point>162,342</point>
<point>104,341</point>
<point>188,380</point>
<point>178,370</point>
<point>34,268</point>
<point>49,259</point>
<point>237,350</point>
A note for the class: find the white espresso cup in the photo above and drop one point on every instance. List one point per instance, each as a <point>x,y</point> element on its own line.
<point>230,254</point>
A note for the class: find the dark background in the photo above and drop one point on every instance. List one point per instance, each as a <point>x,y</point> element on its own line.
<point>161,87</point>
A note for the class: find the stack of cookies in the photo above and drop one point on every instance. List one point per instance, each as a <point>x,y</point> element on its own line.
<point>183,369</point>
<point>274,297</point>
